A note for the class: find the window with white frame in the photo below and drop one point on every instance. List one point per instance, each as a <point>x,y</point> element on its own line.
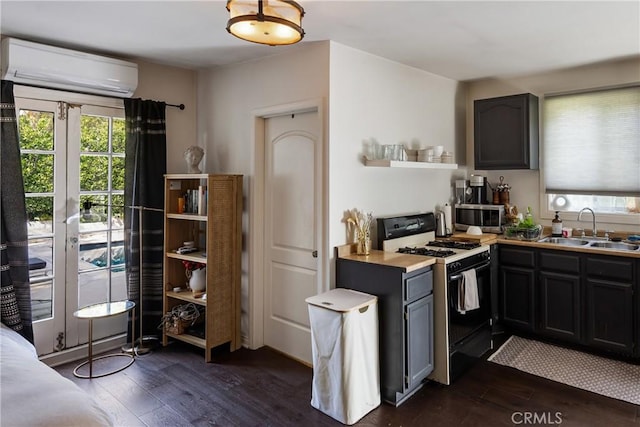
<point>591,151</point>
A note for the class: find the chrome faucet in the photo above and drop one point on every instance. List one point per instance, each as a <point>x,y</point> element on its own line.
<point>593,215</point>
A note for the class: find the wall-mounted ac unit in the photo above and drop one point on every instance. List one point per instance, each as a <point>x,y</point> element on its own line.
<point>53,67</point>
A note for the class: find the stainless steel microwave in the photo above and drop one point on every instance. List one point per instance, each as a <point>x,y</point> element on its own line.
<point>490,218</point>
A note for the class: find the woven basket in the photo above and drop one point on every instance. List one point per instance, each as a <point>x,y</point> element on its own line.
<point>178,326</point>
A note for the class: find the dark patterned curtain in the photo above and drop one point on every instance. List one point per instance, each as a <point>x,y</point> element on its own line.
<point>145,166</point>
<point>15,292</point>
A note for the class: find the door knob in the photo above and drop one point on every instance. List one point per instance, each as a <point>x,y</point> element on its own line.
<point>314,254</point>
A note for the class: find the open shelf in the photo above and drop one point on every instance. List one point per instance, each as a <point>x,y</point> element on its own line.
<point>191,339</point>
<point>187,216</point>
<point>407,164</point>
<point>186,296</point>
<point>193,256</point>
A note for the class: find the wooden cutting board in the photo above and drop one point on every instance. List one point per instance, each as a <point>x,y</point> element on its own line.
<point>479,238</point>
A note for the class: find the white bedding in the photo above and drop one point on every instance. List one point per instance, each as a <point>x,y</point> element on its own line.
<point>33,394</point>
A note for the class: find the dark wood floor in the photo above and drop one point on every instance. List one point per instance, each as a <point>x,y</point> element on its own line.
<point>173,386</point>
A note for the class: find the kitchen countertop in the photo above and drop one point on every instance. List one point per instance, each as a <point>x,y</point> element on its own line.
<point>555,246</point>
<point>408,262</point>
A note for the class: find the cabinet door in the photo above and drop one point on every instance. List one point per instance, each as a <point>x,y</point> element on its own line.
<point>518,298</point>
<point>506,132</point>
<point>419,342</point>
<point>636,293</point>
<point>560,306</point>
<point>610,315</point>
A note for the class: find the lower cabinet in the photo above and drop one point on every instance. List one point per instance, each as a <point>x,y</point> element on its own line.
<point>572,297</point>
<point>609,304</point>
<point>517,288</point>
<point>419,327</point>
<point>405,317</point>
<point>559,295</point>
<point>560,306</point>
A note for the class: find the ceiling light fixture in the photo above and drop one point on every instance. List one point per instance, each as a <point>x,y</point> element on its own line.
<point>271,22</point>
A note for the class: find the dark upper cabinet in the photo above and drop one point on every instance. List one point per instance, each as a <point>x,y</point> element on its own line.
<point>506,132</point>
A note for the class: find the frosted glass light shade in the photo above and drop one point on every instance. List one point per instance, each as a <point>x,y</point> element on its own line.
<point>271,22</point>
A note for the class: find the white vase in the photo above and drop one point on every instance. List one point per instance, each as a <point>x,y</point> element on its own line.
<point>198,280</point>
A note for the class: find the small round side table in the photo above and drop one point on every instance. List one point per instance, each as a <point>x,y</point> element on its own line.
<point>97,311</point>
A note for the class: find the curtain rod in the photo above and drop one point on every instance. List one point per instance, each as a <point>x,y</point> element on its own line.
<point>181,106</point>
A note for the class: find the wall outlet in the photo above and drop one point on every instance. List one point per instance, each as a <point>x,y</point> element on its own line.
<point>175,185</point>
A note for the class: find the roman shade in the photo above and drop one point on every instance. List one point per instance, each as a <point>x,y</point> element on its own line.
<point>591,142</point>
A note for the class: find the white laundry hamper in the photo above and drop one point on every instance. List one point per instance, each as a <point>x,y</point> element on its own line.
<point>346,367</point>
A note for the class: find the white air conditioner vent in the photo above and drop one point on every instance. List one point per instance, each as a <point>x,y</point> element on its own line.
<point>54,67</point>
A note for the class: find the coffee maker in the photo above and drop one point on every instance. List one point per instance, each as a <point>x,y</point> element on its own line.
<point>478,185</point>
<point>463,192</point>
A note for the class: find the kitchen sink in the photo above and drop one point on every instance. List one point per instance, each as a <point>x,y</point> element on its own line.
<point>615,245</point>
<point>567,241</point>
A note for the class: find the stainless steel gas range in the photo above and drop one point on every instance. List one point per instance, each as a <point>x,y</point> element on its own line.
<point>460,336</point>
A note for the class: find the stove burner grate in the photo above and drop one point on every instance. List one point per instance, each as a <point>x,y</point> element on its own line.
<point>454,244</point>
<point>439,253</point>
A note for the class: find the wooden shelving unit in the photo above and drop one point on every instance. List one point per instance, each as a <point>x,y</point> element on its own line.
<point>218,237</point>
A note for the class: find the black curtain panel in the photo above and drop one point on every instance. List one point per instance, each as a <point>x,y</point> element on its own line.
<point>15,292</point>
<point>145,166</point>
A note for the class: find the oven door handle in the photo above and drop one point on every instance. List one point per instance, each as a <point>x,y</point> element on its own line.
<point>481,267</point>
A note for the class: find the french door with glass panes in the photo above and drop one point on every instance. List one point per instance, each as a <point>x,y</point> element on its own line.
<point>72,154</point>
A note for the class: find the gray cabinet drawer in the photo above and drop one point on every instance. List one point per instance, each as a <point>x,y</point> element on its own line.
<point>418,286</point>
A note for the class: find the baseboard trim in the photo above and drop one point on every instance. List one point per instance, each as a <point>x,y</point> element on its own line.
<point>81,352</point>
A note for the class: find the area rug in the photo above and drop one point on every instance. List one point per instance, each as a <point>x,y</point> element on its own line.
<point>611,378</point>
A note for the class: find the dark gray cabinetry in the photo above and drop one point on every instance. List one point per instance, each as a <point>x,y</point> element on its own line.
<point>405,315</point>
<point>559,293</point>
<point>586,299</point>
<point>506,132</point>
<point>419,340</point>
<point>517,287</point>
<point>610,303</point>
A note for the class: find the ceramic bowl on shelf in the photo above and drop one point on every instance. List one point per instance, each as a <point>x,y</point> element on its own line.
<point>425,155</point>
<point>447,157</point>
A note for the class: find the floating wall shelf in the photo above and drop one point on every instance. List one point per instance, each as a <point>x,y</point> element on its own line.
<point>406,164</point>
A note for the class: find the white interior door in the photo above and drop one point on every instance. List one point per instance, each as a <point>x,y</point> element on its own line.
<point>292,229</point>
